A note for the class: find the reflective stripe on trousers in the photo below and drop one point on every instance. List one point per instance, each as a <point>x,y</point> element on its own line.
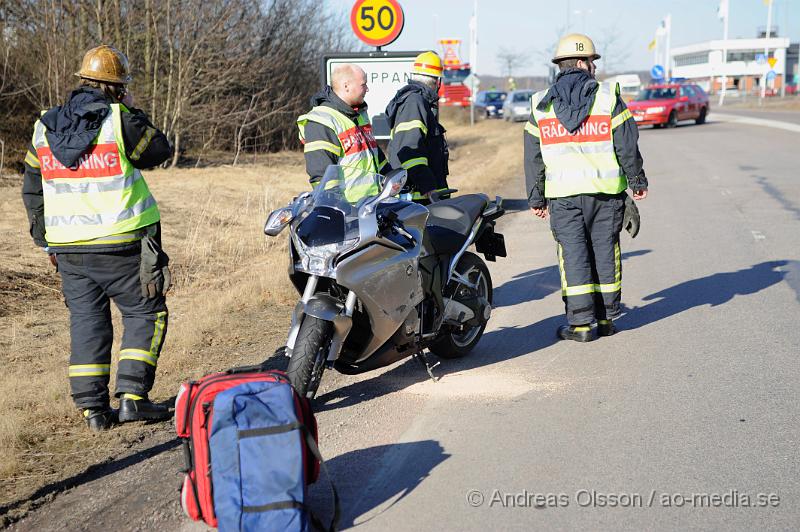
<point>586,229</point>
<point>90,281</point>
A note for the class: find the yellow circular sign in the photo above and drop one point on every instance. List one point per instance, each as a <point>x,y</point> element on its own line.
<point>377,22</point>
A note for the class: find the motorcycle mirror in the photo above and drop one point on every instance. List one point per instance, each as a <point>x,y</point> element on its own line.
<point>394,182</point>
<point>278,219</point>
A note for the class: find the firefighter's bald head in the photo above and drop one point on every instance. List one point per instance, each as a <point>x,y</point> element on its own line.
<point>349,82</point>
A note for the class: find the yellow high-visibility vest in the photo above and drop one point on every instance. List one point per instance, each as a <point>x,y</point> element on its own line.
<point>583,162</point>
<point>357,149</point>
<point>102,198</point>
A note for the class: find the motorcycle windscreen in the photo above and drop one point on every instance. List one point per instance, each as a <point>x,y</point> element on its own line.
<point>322,226</point>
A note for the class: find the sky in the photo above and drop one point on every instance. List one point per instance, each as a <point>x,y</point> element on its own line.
<point>533,26</point>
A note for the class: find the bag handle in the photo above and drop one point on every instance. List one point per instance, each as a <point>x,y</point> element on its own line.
<point>312,446</point>
<point>245,369</point>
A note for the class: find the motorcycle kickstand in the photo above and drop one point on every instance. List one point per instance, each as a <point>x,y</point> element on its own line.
<point>423,358</point>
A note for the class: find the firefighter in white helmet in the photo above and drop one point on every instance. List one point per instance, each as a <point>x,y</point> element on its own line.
<point>581,154</point>
<point>418,143</point>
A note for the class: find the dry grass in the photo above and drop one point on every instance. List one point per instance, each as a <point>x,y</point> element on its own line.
<point>230,304</point>
<point>789,103</point>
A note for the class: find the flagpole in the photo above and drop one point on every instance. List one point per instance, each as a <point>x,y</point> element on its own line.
<point>724,53</point>
<point>766,52</point>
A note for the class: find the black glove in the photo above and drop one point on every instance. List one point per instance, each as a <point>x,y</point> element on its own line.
<point>154,274</point>
<point>631,219</point>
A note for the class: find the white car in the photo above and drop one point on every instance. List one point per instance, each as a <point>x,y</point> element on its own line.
<point>517,106</point>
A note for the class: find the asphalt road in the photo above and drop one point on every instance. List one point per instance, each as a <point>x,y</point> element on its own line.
<point>694,402</point>
<point>697,394</point>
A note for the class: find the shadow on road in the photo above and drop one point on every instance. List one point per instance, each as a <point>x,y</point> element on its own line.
<point>537,284</point>
<point>375,477</point>
<point>92,473</point>
<point>713,290</point>
<point>495,346</point>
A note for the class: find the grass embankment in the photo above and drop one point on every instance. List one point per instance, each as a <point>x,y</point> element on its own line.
<point>789,103</point>
<point>230,304</point>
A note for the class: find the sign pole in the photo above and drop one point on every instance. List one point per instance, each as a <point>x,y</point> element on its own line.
<point>668,58</point>
<point>727,7</point>
<point>473,60</point>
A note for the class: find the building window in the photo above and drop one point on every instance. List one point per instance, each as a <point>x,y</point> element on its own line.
<point>748,56</point>
<point>691,59</point>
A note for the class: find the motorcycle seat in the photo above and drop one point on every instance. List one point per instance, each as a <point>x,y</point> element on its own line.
<point>451,220</point>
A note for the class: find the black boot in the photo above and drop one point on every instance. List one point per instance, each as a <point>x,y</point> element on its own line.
<point>579,333</point>
<point>135,408</point>
<point>99,419</point>
<point>605,328</point>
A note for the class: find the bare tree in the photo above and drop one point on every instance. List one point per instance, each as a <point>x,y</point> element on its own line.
<point>510,60</point>
<point>614,49</point>
<point>228,75</point>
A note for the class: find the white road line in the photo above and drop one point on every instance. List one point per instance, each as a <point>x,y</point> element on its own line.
<point>758,235</point>
<point>739,119</point>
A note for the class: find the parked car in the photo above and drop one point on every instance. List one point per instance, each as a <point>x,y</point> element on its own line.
<point>669,103</point>
<point>490,103</point>
<point>517,105</point>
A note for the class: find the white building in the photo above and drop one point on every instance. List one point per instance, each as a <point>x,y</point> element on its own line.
<point>702,63</point>
<point>628,83</point>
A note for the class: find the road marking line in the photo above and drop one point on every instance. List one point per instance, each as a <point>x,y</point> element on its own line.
<point>725,192</point>
<point>758,235</point>
<point>775,124</point>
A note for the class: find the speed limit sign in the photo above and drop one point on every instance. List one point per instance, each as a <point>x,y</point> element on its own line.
<point>377,22</point>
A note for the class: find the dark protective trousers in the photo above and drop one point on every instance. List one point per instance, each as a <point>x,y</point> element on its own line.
<point>586,228</point>
<point>89,282</point>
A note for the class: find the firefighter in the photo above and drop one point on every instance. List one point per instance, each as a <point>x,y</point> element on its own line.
<point>581,154</point>
<point>337,130</point>
<point>91,210</point>
<point>417,141</point>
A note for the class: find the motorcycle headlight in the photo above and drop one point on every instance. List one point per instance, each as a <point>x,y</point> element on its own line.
<point>278,219</point>
<point>318,260</point>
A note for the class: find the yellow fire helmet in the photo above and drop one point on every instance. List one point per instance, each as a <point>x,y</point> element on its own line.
<point>575,46</point>
<point>105,63</point>
<point>429,64</point>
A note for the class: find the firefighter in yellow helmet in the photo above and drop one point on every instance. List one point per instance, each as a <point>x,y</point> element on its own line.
<point>417,140</point>
<point>90,208</point>
<point>581,154</point>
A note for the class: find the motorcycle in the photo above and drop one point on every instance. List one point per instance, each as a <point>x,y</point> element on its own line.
<point>382,278</point>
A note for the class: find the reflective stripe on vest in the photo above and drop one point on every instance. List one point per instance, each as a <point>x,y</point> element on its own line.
<point>359,149</point>
<point>583,162</point>
<point>101,198</point>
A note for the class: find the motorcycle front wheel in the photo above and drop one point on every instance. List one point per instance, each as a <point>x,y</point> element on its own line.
<point>456,342</point>
<point>308,356</point>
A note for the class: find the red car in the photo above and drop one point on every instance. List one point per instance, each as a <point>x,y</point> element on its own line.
<point>669,103</point>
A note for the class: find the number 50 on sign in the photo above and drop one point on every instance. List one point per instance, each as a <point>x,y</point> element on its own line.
<point>377,22</point>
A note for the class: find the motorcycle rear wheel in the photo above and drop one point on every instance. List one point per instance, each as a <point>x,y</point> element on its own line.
<point>456,343</point>
<point>308,356</point>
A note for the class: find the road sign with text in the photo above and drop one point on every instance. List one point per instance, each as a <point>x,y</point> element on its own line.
<point>387,72</point>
